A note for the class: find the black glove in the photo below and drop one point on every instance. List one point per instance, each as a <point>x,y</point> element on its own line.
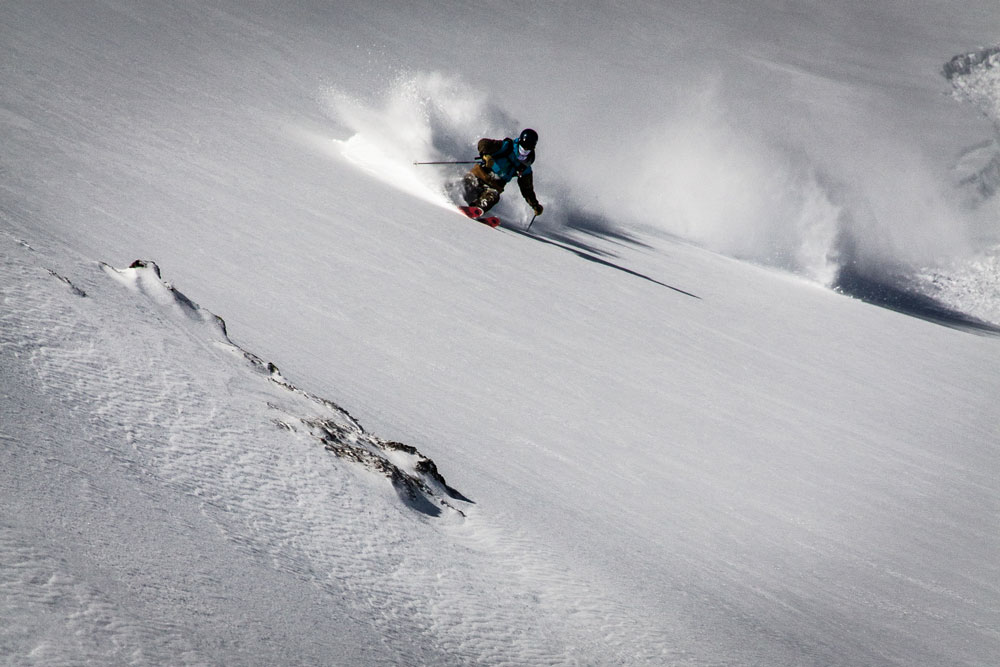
<point>537,208</point>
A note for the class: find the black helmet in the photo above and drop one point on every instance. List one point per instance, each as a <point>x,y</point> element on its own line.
<point>528,139</point>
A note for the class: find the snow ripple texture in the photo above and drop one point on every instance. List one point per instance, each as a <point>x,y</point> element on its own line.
<point>414,476</point>
<point>146,386</point>
<point>65,621</point>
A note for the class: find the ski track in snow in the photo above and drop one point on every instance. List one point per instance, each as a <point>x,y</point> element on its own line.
<point>150,379</point>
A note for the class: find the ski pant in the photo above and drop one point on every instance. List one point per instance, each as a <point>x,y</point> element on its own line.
<point>477,193</point>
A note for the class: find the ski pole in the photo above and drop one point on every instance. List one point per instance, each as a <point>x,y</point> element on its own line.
<point>450,162</point>
<point>528,228</point>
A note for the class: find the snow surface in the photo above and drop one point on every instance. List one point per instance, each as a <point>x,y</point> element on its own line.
<point>650,431</point>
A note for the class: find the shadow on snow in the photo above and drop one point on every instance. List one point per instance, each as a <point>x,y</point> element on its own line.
<point>594,226</point>
<point>882,293</point>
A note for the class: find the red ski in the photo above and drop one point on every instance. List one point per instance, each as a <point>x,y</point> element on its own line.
<point>477,214</point>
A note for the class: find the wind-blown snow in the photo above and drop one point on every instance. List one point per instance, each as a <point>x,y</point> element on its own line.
<point>645,432</point>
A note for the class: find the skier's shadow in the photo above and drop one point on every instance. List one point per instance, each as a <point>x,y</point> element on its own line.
<point>594,226</point>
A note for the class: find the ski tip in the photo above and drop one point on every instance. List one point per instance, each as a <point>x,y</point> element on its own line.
<point>471,211</point>
<point>477,214</point>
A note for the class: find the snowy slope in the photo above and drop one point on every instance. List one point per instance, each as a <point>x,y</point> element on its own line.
<point>665,439</point>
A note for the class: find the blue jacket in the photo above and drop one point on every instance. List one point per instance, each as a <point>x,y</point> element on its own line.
<point>506,166</point>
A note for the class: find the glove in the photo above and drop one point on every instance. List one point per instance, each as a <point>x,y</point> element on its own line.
<point>537,208</point>
<point>487,160</point>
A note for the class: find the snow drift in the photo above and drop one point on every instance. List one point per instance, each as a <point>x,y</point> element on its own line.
<point>414,476</point>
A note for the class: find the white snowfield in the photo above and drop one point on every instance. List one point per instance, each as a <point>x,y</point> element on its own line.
<point>650,431</point>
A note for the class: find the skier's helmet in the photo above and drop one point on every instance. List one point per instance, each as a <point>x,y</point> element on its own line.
<point>528,139</point>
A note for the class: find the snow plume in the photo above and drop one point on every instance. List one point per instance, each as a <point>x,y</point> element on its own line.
<point>972,286</point>
<point>793,169</point>
<point>723,186</point>
<point>423,116</point>
<point>429,117</point>
<point>975,79</point>
<point>971,283</point>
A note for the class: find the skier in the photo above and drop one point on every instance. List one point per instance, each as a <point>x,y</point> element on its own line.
<point>502,160</point>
